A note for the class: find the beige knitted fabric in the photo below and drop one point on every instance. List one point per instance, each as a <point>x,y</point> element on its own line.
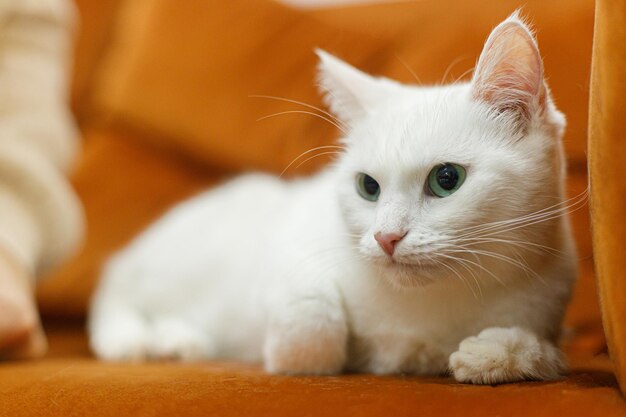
<point>40,217</point>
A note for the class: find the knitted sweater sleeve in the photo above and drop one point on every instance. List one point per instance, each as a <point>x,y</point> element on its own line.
<point>40,217</point>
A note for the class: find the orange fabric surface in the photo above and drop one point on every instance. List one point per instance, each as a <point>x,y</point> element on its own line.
<point>607,166</point>
<point>71,383</point>
<point>185,74</point>
<point>93,33</point>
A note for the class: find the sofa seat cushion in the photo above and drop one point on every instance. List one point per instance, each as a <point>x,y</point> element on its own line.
<point>69,382</point>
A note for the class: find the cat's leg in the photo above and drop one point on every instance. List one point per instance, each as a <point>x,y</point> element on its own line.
<point>176,338</point>
<point>119,334</point>
<point>500,355</point>
<point>307,333</point>
<point>394,353</point>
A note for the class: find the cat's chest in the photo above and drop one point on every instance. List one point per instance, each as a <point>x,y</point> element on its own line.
<point>391,342</point>
<point>394,353</point>
<point>413,333</point>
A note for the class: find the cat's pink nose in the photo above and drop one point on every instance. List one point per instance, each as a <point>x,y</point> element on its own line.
<point>388,241</point>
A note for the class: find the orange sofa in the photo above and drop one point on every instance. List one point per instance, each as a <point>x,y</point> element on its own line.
<point>607,153</point>
<point>163,95</point>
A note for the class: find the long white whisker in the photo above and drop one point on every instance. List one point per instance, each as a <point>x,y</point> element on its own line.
<point>315,156</point>
<point>460,77</point>
<point>409,69</point>
<point>450,66</point>
<point>502,258</point>
<point>525,221</point>
<point>476,264</point>
<point>460,276</point>
<point>570,201</point>
<point>463,262</point>
<point>564,205</point>
<point>308,152</point>
<point>519,243</point>
<point>548,217</point>
<point>332,122</point>
<point>301,103</point>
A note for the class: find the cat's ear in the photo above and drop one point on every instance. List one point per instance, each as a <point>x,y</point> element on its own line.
<point>348,92</point>
<point>509,74</point>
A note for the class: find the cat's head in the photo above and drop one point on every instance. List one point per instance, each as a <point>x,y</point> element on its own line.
<point>429,174</point>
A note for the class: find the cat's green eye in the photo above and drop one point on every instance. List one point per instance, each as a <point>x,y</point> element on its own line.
<point>367,187</point>
<point>445,179</point>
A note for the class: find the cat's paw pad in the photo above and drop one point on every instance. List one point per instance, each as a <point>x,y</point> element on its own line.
<point>500,355</point>
<point>175,339</point>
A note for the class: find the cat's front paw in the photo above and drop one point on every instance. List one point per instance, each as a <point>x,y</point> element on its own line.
<point>120,339</point>
<point>311,339</point>
<point>174,338</point>
<point>499,355</point>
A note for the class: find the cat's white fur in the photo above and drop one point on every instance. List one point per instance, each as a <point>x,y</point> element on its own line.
<point>289,272</point>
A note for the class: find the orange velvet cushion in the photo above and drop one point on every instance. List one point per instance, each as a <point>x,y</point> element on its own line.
<point>185,74</point>
<point>607,167</point>
<point>93,32</point>
<point>71,383</point>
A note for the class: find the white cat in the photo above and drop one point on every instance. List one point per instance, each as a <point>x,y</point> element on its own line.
<point>437,242</point>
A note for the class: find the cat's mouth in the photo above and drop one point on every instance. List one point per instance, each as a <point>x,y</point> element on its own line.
<point>405,275</point>
<point>409,270</point>
<point>418,269</point>
<point>417,264</point>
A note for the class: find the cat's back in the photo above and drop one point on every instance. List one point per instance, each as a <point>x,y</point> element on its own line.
<point>236,234</point>
<point>210,223</point>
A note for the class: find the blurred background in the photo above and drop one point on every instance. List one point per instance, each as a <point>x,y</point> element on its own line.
<point>162,92</point>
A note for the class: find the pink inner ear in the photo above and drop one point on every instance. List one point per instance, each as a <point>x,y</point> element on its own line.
<point>509,74</point>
